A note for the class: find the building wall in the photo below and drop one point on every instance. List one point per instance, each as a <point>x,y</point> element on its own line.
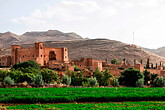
<point>38,53</point>
<point>5,61</point>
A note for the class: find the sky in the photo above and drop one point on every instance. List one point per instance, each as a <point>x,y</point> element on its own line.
<point>111,19</point>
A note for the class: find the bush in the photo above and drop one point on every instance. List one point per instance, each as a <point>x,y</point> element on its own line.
<point>66,80</point>
<point>92,82</point>
<point>140,82</point>
<point>121,68</point>
<point>130,76</point>
<point>159,82</point>
<point>3,74</point>
<point>8,81</point>
<point>49,75</point>
<point>38,80</point>
<point>76,68</point>
<point>115,83</point>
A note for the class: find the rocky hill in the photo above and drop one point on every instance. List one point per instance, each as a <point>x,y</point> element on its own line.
<point>8,38</point>
<point>50,35</point>
<point>160,51</point>
<point>101,49</point>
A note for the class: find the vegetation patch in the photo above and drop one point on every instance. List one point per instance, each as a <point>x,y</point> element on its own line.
<point>62,95</point>
<point>90,106</point>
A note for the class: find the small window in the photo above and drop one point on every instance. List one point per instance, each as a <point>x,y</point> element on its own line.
<point>33,55</point>
<point>23,56</point>
<point>36,56</point>
<point>41,55</point>
<point>44,55</point>
<point>65,56</point>
<point>80,65</point>
<point>40,47</point>
<point>65,49</point>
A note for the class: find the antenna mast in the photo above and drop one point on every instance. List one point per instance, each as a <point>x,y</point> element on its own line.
<point>133,37</point>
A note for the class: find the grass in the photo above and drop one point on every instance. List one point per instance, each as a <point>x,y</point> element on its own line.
<point>62,95</point>
<point>160,105</point>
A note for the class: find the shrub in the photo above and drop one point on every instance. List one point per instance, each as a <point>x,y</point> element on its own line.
<point>49,75</point>
<point>76,68</point>
<point>3,74</point>
<point>8,81</point>
<point>114,61</point>
<point>115,83</point>
<point>130,76</point>
<point>140,82</point>
<point>159,82</point>
<point>38,80</point>
<point>121,68</point>
<point>92,82</point>
<point>66,80</point>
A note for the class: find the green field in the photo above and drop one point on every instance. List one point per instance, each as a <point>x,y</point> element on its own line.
<point>61,95</point>
<point>101,106</point>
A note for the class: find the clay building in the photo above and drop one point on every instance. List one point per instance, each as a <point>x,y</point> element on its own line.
<point>46,56</point>
<point>5,61</point>
<point>88,63</point>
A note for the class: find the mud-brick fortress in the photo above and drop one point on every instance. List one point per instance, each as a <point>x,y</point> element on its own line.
<point>57,58</point>
<point>45,56</point>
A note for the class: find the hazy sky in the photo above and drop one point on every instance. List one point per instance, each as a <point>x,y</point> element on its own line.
<point>112,19</point>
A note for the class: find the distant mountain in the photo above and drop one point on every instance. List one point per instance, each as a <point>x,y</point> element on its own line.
<point>8,38</point>
<point>50,35</point>
<point>159,51</point>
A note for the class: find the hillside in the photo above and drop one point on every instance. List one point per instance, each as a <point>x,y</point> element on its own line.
<point>160,51</point>
<point>8,38</point>
<point>101,49</point>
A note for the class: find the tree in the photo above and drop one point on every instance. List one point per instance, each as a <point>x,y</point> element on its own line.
<point>152,66</point>
<point>92,81</point>
<point>159,82</point>
<point>153,77</point>
<point>103,77</point>
<point>130,76</point>
<point>124,60</point>
<point>66,80</point>
<point>114,61</point>
<point>115,83</point>
<point>49,75</point>
<point>8,81</point>
<point>147,77</point>
<point>38,80</point>
<point>134,61</point>
<point>140,82</point>
<point>148,64</point>
<point>26,64</point>
<point>141,61</point>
